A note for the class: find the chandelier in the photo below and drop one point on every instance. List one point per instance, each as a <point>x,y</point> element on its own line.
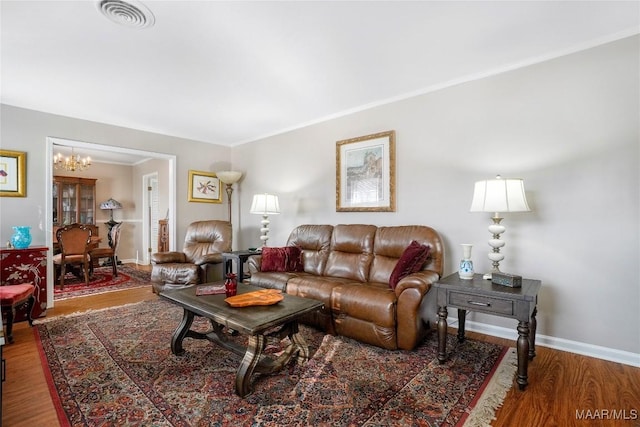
<point>72,163</point>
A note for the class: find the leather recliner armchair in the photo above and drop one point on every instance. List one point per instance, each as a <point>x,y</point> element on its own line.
<point>200,260</point>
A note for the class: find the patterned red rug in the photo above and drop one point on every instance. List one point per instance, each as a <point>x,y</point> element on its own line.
<point>114,367</point>
<point>102,281</point>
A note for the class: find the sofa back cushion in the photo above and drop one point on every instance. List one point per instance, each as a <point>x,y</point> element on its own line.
<point>351,252</point>
<point>314,241</point>
<point>206,239</point>
<point>391,242</point>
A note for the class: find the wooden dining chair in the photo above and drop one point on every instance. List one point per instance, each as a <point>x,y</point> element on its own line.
<point>74,241</point>
<point>109,251</point>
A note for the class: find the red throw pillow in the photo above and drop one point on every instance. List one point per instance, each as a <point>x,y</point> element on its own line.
<point>288,258</point>
<point>411,261</point>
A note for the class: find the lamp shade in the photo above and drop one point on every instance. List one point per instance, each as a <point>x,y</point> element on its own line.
<point>265,204</point>
<point>499,195</point>
<point>229,177</point>
<point>111,204</point>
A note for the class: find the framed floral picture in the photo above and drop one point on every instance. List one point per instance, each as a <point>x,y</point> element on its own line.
<point>365,173</point>
<point>13,168</point>
<point>204,187</point>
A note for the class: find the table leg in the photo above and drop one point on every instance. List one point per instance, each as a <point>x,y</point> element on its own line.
<point>523,354</point>
<point>533,324</point>
<point>442,333</point>
<point>249,362</point>
<point>462,317</point>
<point>181,332</point>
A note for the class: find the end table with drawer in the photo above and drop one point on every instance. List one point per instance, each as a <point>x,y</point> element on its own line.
<point>481,295</point>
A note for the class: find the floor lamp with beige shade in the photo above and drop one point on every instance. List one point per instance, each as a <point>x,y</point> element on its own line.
<point>229,178</point>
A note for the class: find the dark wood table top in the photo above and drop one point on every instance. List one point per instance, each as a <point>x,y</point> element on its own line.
<point>249,320</point>
<point>480,286</point>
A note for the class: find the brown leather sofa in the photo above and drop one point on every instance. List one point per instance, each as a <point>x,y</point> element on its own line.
<point>200,260</point>
<point>348,267</point>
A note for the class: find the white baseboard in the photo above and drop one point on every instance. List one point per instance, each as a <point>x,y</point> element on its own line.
<point>599,352</point>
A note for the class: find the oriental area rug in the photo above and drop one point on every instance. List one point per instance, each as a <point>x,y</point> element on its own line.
<point>114,367</point>
<point>102,281</point>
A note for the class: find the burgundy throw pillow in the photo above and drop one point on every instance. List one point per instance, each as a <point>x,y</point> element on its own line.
<point>288,258</point>
<point>411,261</point>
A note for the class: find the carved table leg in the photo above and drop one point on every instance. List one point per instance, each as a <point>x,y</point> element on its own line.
<point>533,324</point>
<point>181,332</point>
<point>462,316</point>
<point>249,362</point>
<point>300,345</point>
<point>523,354</point>
<point>442,334</point>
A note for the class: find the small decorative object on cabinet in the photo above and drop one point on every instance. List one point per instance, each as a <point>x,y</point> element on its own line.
<point>466,265</point>
<point>21,237</point>
<point>26,266</point>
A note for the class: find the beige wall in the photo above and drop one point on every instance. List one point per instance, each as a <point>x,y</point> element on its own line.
<point>569,127</point>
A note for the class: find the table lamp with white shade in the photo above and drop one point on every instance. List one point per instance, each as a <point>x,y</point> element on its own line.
<point>265,205</point>
<point>498,195</point>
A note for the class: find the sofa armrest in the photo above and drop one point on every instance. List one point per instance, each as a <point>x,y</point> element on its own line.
<point>410,292</point>
<point>255,263</point>
<point>167,257</point>
<point>421,280</point>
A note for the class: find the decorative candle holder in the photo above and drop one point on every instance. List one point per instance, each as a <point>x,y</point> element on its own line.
<point>231,285</point>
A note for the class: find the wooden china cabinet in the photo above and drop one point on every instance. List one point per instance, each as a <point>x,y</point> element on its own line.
<point>74,200</point>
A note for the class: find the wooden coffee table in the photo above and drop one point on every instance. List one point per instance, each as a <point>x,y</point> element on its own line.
<point>260,323</point>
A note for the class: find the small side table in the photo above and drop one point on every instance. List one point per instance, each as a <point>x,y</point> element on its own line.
<point>240,257</point>
<point>483,296</point>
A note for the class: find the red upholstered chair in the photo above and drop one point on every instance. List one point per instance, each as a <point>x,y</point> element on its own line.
<point>12,297</point>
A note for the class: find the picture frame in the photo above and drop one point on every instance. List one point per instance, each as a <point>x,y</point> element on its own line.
<point>204,187</point>
<point>13,172</point>
<point>365,173</point>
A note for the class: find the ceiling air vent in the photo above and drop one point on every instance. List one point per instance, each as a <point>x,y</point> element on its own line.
<point>129,13</point>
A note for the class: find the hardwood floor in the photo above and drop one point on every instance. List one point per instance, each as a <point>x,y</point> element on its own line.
<point>565,389</point>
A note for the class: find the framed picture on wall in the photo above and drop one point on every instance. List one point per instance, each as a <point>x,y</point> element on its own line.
<point>204,187</point>
<point>13,168</point>
<point>365,173</point>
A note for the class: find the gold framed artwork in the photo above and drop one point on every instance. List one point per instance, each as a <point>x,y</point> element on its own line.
<point>13,169</point>
<point>366,173</point>
<point>204,187</point>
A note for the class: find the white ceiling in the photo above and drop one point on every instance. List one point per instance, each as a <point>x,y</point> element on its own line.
<point>236,71</point>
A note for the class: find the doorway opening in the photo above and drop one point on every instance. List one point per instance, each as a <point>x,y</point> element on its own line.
<point>96,151</point>
<point>151,215</point>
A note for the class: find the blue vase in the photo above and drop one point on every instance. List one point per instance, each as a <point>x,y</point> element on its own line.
<point>465,271</point>
<point>21,237</point>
